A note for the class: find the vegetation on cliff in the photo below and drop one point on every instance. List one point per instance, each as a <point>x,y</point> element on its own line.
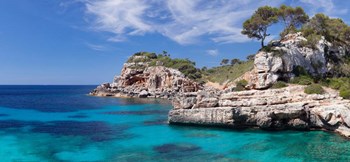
<point>221,74</point>
<point>328,35</point>
<point>218,74</point>
<point>333,30</point>
<point>187,67</point>
<point>342,84</point>
<point>256,26</point>
<point>314,89</point>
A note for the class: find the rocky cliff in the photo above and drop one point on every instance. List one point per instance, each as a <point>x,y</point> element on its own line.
<point>139,79</point>
<point>261,106</point>
<point>266,108</point>
<point>286,108</point>
<point>283,56</point>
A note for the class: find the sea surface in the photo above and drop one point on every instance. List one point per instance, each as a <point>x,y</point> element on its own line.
<point>62,123</point>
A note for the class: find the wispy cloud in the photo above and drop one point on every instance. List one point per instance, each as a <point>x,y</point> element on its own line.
<point>326,6</point>
<point>183,21</point>
<point>213,52</point>
<point>119,17</point>
<point>96,47</point>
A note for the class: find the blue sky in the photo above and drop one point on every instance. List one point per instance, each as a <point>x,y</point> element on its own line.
<point>87,41</point>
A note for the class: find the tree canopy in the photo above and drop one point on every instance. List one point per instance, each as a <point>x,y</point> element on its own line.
<point>292,18</point>
<point>256,26</point>
<point>235,61</point>
<point>333,29</point>
<point>224,61</point>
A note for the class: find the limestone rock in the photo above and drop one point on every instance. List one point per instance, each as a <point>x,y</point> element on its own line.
<point>140,80</point>
<point>280,62</point>
<point>143,94</point>
<point>285,108</point>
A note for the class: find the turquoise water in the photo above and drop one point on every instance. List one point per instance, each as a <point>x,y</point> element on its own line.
<point>61,123</point>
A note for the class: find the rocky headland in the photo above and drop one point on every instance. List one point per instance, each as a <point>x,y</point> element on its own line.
<point>139,79</point>
<point>267,108</point>
<point>258,105</point>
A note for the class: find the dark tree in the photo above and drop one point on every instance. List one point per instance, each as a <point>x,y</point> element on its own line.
<point>235,61</point>
<point>224,62</point>
<point>250,57</point>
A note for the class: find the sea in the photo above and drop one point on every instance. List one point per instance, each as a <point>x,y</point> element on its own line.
<point>63,123</point>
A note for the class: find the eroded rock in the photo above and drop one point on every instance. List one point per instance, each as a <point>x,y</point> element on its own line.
<point>285,108</point>
<point>141,80</point>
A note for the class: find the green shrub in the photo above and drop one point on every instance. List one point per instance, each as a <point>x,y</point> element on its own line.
<point>240,85</point>
<point>312,40</point>
<point>299,70</point>
<point>335,83</point>
<point>186,66</point>
<point>338,83</point>
<point>345,92</point>
<point>267,48</point>
<point>279,84</point>
<point>314,89</point>
<point>302,80</point>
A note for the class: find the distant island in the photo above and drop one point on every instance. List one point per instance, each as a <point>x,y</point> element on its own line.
<point>301,81</point>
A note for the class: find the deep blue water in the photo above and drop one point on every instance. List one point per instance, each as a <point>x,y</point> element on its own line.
<point>62,123</point>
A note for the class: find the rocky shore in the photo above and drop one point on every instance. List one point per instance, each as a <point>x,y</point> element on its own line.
<point>259,106</point>
<point>272,109</point>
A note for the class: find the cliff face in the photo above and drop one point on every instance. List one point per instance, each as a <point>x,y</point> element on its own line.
<point>287,54</point>
<point>137,79</point>
<point>286,108</point>
<point>261,107</point>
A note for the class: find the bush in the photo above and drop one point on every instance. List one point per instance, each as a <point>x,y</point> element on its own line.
<point>186,66</point>
<point>240,85</point>
<point>299,70</point>
<point>279,84</point>
<point>335,83</point>
<point>302,80</point>
<point>345,92</point>
<point>314,89</point>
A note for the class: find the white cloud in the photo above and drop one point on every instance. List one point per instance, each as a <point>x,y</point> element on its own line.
<point>213,52</point>
<point>119,17</point>
<point>185,22</point>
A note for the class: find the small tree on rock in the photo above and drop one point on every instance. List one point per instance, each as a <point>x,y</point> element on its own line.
<point>224,62</point>
<point>235,61</point>
<point>251,57</point>
<point>256,26</point>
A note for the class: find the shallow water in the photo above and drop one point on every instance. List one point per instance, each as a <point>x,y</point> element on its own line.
<point>62,123</point>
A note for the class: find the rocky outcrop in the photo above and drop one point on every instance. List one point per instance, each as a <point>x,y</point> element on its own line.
<point>287,54</point>
<point>138,79</point>
<point>286,108</point>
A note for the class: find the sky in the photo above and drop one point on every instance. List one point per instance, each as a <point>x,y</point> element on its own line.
<point>86,42</point>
